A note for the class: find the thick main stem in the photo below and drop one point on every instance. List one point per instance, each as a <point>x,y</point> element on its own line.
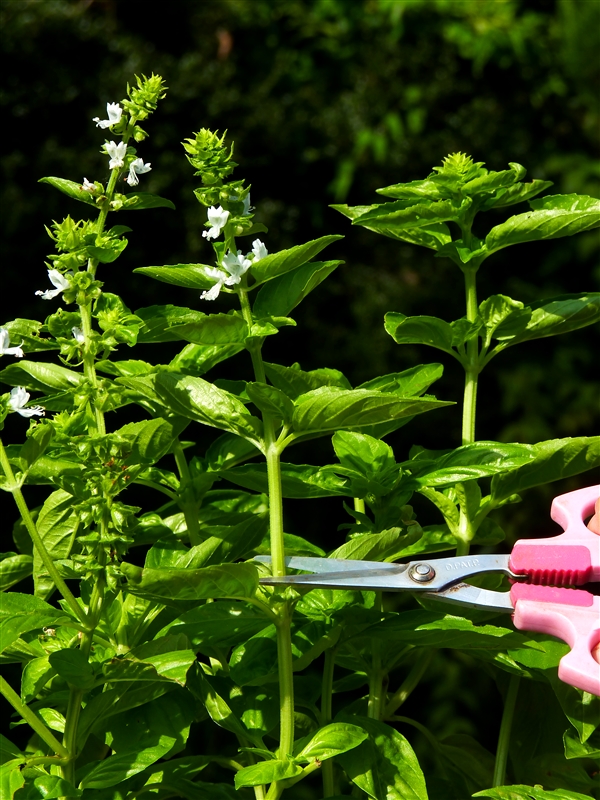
<point>187,501</point>
<point>376,698</point>
<point>283,626</point>
<point>505,730</point>
<point>326,693</point>
<point>472,365</point>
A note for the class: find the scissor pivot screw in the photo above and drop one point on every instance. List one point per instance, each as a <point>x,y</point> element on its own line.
<point>422,573</point>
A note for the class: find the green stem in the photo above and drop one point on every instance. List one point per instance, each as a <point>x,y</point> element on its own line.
<point>36,538</point>
<point>326,696</point>
<point>505,731</point>
<point>89,368</point>
<point>34,721</point>
<point>70,734</point>
<point>472,362</point>
<point>187,501</point>
<point>359,505</point>
<point>272,450</point>
<point>376,698</point>
<point>410,682</point>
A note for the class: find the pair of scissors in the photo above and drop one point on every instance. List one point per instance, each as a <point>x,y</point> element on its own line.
<point>538,599</point>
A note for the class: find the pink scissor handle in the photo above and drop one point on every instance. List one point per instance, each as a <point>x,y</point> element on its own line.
<point>573,557</point>
<point>572,615</point>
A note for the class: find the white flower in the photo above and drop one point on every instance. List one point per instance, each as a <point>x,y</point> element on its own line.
<point>17,400</point>
<point>5,349</point>
<point>236,265</point>
<point>116,152</point>
<point>218,219</point>
<point>87,186</point>
<point>259,250</point>
<point>136,168</point>
<point>216,275</point>
<point>78,334</point>
<point>58,280</point>
<point>114,112</point>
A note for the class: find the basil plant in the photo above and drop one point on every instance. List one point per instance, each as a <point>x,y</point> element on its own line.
<point>140,653</point>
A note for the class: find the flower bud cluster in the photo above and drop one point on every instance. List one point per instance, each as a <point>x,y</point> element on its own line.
<point>142,101</point>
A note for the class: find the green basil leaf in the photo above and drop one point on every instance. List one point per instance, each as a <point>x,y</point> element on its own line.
<point>363,453</point>
<point>190,276</point>
<point>227,580</point>
<point>327,409</point>
<point>271,400</point>
<point>276,264</point>
<point>158,322</point>
<point>71,189</point>
<point>434,236</point>
<point>14,567</point>
<point>549,318</point>
<point>228,450</point>
<point>135,201</point>
<point>266,772</point>
<point>330,741</point>
<point>216,329</point>
<point>26,334</point>
<point>40,376</point>
<point>150,440</point>
<point>406,214</point>
<point>117,768</point>
<point>294,381</point>
<point>297,480</point>
<point>57,526</point>
<point>574,748</point>
<point>73,667</point>
<point>516,194</point>
<point>469,462</point>
<point>196,399</point>
<point>385,764</point>
<point>219,624</point>
<point>220,712</point>
<point>282,294</point>
<point>418,190</point>
<point>430,629</point>
<point>20,613</point>
<point>553,460</point>
<point>408,383</point>
<point>49,787</point>
<point>11,777</point>
<point>521,792</point>
<point>552,217</point>
<point>384,546</point>
<point>492,181</point>
<point>419,330</point>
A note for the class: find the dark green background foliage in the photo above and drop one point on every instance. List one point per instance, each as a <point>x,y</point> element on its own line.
<point>326,100</point>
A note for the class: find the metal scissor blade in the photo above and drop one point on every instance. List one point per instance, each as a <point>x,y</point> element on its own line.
<point>337,565</point>
<point>358,580</point>
<point>464,594</point>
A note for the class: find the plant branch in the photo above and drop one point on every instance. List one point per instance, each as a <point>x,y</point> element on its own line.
<point>505,731</point>
<point>32,719</point>
<point>37,539</point>
<point>410,682</point>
